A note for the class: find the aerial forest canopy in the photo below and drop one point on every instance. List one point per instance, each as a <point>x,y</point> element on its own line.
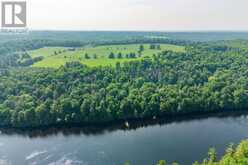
<point>207,77</point>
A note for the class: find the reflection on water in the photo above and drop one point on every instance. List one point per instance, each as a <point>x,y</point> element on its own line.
<point>35,154</point>
<point>143,143</point>
<point>133,125</point>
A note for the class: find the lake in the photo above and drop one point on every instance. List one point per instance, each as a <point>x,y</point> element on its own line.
<point>144,143</point>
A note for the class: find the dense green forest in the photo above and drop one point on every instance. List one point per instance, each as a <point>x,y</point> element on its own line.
<point>233,156</point>
<point>208,77</point>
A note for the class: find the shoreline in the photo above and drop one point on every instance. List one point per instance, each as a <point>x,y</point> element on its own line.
<point>101,128</point>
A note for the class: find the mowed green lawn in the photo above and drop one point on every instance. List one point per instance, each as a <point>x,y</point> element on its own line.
<point>98,56</point>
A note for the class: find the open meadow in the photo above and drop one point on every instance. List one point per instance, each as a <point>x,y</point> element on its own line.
<point>100,55</point>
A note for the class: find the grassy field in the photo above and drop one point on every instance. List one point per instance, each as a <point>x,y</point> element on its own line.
<point>97,56</point>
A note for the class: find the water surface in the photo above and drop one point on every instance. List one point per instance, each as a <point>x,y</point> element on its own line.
<point>184,141</point>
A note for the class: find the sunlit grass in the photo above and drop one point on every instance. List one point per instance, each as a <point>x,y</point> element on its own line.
<point>100,52</point>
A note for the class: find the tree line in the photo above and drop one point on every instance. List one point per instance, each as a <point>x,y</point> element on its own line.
<point>169,83</point>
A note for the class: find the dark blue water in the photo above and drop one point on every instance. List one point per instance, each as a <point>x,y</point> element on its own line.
<point>184,141</point>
